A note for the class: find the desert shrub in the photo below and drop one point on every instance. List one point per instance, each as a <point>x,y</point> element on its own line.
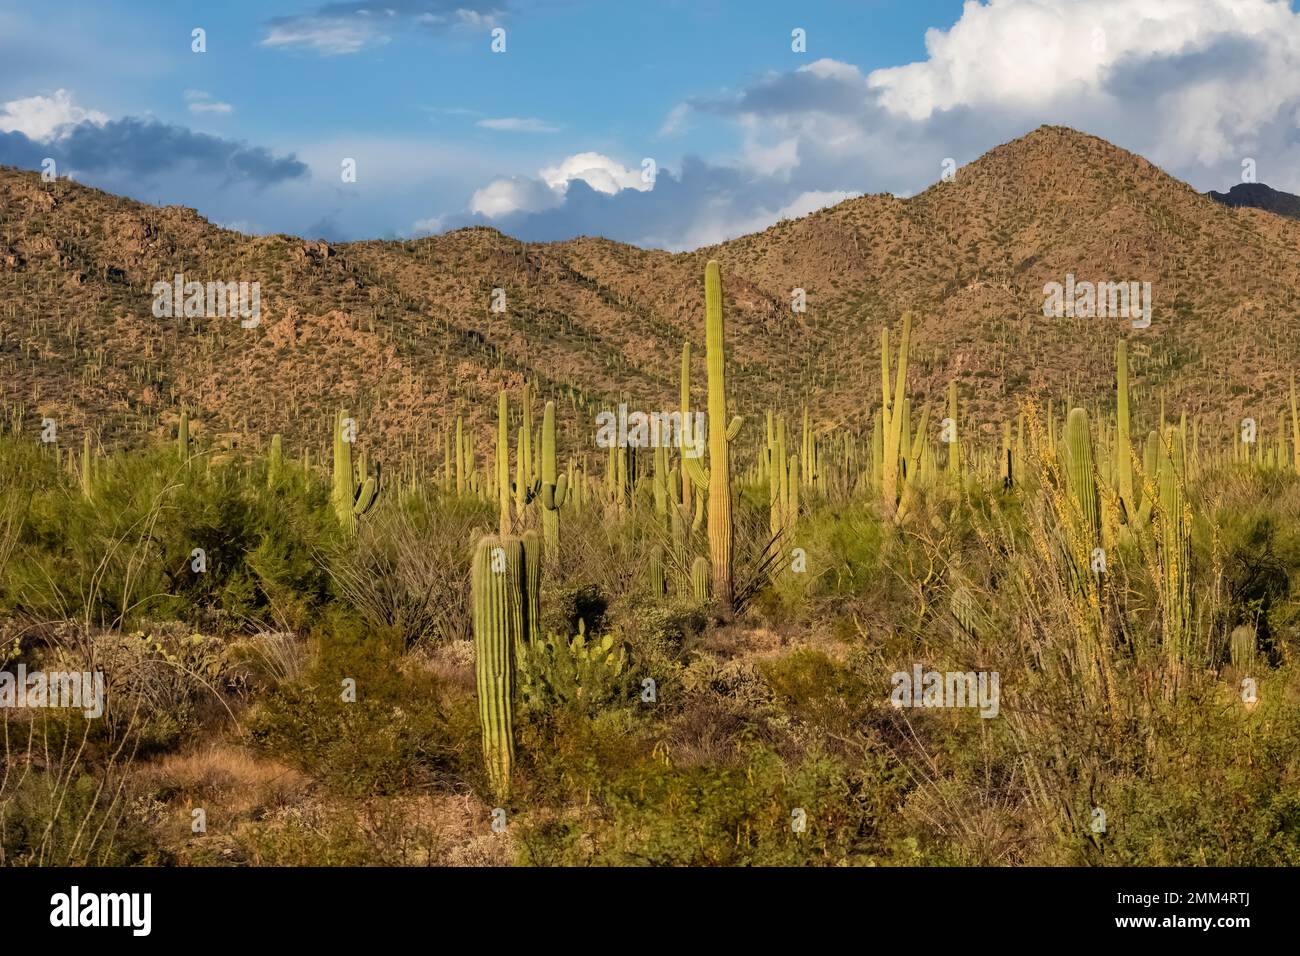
<point>394,735</point>
<point>408,569</point>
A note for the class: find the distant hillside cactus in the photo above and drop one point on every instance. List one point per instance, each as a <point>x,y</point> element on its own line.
<point>716,479</point>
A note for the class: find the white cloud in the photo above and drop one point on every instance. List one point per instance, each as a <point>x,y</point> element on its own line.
<point>41,117</point>
<point>331,36</point>
<point>675,121</point>
<point>426,227</point>
<point>514,124</point>
<point>202,102</point>
<point>502,197</point>
<point>598,171</point>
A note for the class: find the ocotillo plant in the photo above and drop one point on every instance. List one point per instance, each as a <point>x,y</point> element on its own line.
<point>716,479</point>
<point>495,580</point>
<point>352,496</point>
<point>554,489</point>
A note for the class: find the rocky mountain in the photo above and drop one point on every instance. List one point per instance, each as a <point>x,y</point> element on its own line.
<point>1259,196</point>
<point>404,332</point>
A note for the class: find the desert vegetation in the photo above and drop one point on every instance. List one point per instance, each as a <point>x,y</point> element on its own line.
<point>521,649</point>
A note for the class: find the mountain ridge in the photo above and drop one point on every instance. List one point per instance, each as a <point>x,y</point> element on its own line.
<point>402,331</point>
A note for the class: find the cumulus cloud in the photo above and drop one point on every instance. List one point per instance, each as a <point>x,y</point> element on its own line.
<point>516,194</point>
<point>129,148</point>
<point>336,29</point>
<point>41,118</point>
<point>1194,85</point>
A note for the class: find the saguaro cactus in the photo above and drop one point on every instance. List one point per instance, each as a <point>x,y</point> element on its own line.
<point>503,463</point>
<point>1176,547</point>
<point>1080,476</point>
<point>555,487</point>
<point>352,495</point>
<point>892,415</point>
<point>495,578</point>
<point>183,437</point>
<point>1123,441</point>
<point>700,573</point>
<point>275,461</point>
<point>716,479</point>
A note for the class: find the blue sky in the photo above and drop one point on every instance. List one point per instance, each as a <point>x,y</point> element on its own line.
<point>548,139</point>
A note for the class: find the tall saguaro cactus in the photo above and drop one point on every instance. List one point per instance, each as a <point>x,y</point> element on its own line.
<point>555,489</point>
<point>352,496</point>
<point>1176,547</point>
<point>1123,440</point>
<point>495,578</point>
<point>892,414</point>
<point>183,437</point>
<point>716,479</point>
<point>503,463</point>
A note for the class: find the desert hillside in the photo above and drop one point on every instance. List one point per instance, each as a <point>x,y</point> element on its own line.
<point>402,332</point>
